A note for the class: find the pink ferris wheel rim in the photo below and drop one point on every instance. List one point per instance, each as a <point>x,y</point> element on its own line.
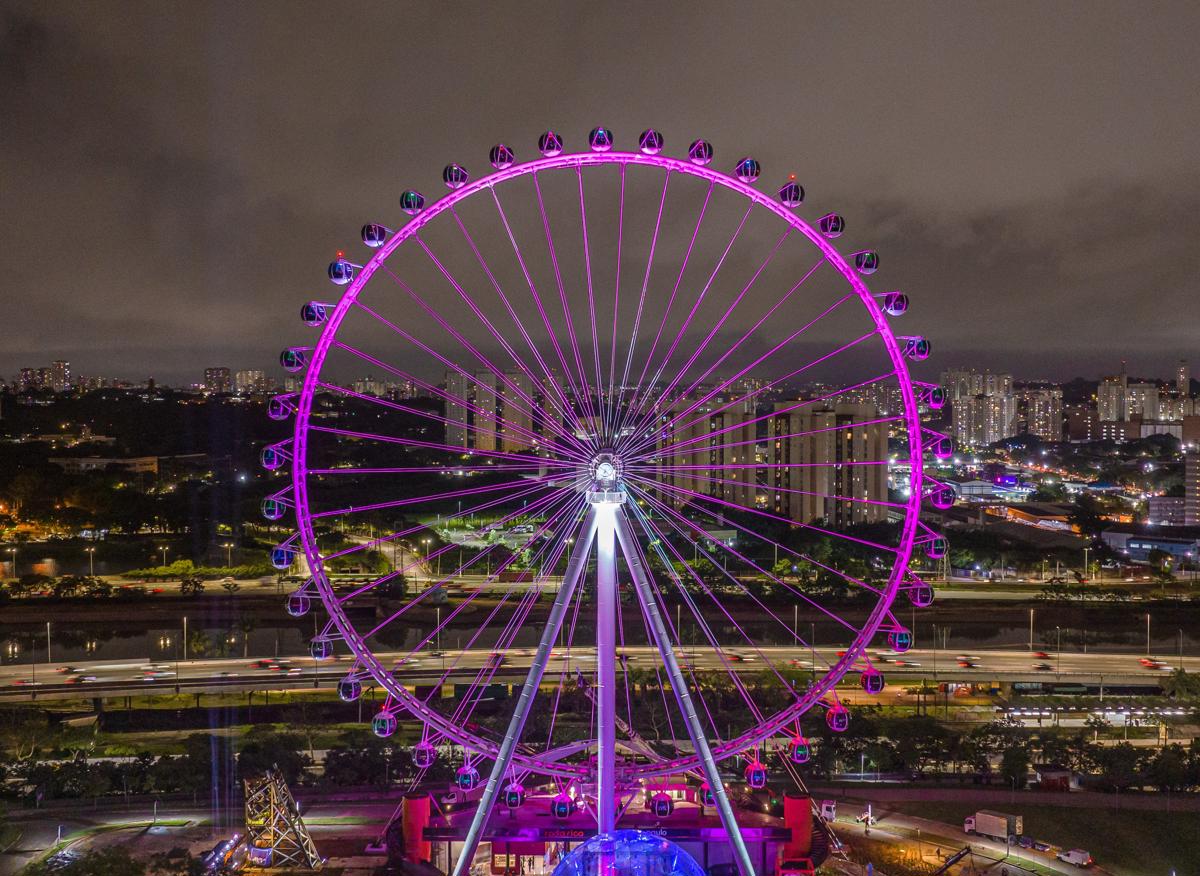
<point>443,724</point>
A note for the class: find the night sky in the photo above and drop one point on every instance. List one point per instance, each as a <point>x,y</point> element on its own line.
<point>176,176</point>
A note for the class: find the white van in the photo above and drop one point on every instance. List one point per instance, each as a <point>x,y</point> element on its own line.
<point>1078,857</point>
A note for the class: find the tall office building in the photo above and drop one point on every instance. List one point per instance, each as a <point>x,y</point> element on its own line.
<point>60,376</point>
<point>250,382</point>
<point>1040,411</point>
<point>813,455</point>
<point>1191,489</point>
<point>217,381</point>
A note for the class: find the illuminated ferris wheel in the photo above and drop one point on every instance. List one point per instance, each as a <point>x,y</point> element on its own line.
<point>595,349</point>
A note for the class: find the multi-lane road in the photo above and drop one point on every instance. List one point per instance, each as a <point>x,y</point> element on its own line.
<point>123,678</point>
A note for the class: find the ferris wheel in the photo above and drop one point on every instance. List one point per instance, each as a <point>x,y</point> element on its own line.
<point>641,415</point>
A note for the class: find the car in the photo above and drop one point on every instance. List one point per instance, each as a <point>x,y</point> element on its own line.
<point>967,664</point>
<point>907,663</point>
<point>496,659</point>
<point>1078,857</point>
<point>1041,667</point>
<point>1041,655</point>
<point>65,670</point>
<point>1145,661</point>
<point>1158,666</point>
<point>1041,846</point>
<point>1025,842</point>
<point>80,679</point>
<point>25,682</point>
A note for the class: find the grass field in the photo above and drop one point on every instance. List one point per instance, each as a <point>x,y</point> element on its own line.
<point>1130,843</point>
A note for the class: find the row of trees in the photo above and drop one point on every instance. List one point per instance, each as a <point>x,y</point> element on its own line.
<point>1003,751</point>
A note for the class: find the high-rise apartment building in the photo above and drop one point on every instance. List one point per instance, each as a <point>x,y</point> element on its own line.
<point>1111,398</point>
<point>1040,411</point>
<point>813,456</point>
<point>369,386</point>
<point>29,379</point>
<point>1141,401</point>
<point>250,382</point>
<point>1082,423</point>
<point>982,406</point>
<point>60,376</point>
<point>714,453</point>
<point>497,414</point>
<point>1191,489</point>
<point>1183,379</point>
<point>217,381</point>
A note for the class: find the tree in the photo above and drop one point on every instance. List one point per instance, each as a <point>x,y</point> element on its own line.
<point>1168,770</point>
<point>1118,765</point>
<point>1160,563</point>
<point>1014,765</point>
<point>191,585</point>
<point>1181,685</point>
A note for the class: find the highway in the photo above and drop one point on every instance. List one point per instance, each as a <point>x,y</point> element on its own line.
<point>124,678</point>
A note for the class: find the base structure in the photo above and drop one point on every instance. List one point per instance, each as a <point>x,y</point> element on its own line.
<point>606,526</point>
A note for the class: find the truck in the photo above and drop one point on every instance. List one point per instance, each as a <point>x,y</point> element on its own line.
<point>1078,857</point>
<point>994,825</point>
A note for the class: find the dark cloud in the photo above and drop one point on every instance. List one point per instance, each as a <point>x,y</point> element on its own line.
<point>177,175</point>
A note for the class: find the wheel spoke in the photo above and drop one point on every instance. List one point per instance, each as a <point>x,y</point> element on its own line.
<point>538,302</point>
<point>635,400</point>
<point>637,320</point>
<point>521,366</point>
<point>693,494</point>
<point>687,321</point>
<point>556,397</point>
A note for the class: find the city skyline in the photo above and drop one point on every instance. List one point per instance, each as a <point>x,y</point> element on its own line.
<point>1032,192</point>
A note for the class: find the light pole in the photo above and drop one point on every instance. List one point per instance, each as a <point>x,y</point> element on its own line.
<point>164,550</point>
<point>1031,629</point>
<point>228,553</point>
<point>91,552</point>
<point>184,640</point>
<point>1085,563</point>
<point>1147,634</point>
<point>49,660</point>
<point>13,551</point>
<point>1058,656</point>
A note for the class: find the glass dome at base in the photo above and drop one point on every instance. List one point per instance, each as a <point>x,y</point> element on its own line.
<point>633,853</point>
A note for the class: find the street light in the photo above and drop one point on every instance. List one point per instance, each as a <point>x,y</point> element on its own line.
<point>164,550</point>
<point>91,552</point>
<point>13,551</point>
<point>1031,629</point>
<point>1147,634</point>
<point>228,553</point>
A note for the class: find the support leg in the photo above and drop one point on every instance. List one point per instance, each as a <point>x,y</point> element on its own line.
<point>606,653</point>
<point>658,628</point>
<point>575,567</point>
